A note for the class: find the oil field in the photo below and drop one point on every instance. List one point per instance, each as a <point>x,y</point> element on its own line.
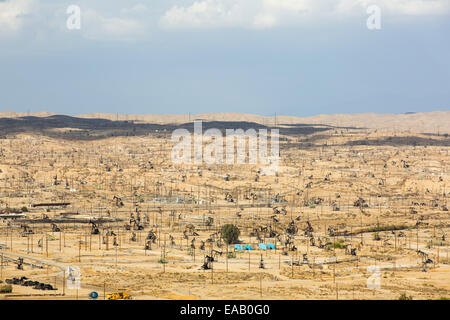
<point>357,209</point>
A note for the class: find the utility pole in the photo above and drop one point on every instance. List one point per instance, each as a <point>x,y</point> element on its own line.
<point>227,258</point>
<point>260,285</point>
<point>79,250</point>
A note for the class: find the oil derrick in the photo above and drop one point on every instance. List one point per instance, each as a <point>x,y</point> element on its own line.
<point>55,228</point>
<point>272,233</point>
<point>353,251</point>
<point>312,241</point>
<point>331,231</point>
<point>207,264</point>
<point>26,230</point>
<point>335,206</point>
<point>94,228</point>
<point>137,225</point>
<point>252,196</point>
<point>118,201</point>
<point>190,230</point>
<point>110,233</point>
<point>151,236</point>
<point>309,229</point>
<point>292,229</point>
<point>321,246</point>
<point>215,253</point>
<point>209,221</point>
<point>20,264</point>
<point>360,203</point>
<point>229,197</point>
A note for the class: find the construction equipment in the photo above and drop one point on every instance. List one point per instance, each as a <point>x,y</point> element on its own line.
<point>120,294</point>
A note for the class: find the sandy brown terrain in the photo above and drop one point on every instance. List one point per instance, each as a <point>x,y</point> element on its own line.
<point>383,193</point>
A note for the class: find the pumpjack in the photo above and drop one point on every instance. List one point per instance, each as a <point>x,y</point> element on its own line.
<point>292,228</point>
<point>20,264</point>
<point>26,230</point>
<point>207,264</point>
<point>94,228</point>
<point>309,229</point>
<point>148,245</point>
<point>151,236</point>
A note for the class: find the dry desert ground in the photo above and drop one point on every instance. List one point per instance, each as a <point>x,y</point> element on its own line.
<point>352,202</point>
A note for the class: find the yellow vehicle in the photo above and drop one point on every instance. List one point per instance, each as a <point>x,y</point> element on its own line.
<point>120,294</point>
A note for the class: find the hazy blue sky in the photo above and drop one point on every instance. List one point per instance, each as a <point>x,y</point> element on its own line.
<point>292,57</point>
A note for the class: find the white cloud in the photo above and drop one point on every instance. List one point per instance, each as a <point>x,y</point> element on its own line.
<point>209,13</point>
<point>122,27</point>
<point>271,13</point>
<point>136,9</point>
<point>417,7</point>
<point>40,19</point>
<point>12,14</point>
<point>399,7</point>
